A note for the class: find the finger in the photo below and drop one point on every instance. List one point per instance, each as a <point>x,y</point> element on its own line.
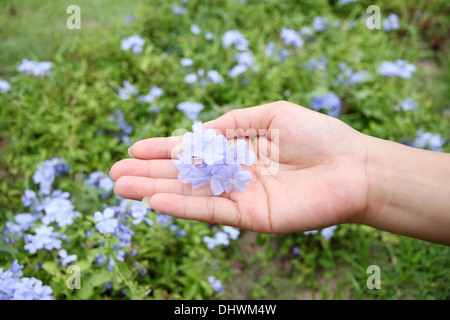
<point>209,209</point>
<point>157,148</point>
<point>137,188</point>
<point>157,168</point>
<point>245,122</point>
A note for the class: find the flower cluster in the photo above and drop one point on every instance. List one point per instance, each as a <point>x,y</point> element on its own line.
<point>211,76</point>
<point>221,237</point>
<point>349,76</point>
<point>4,86</point>
<point>208,157</point>
<point>409,104</point>
<point>102,182</point>
<point>327,233</point>
<point>37,69</point>
<point>330,102</point>
<point>46,173</point>
<point>391,23</point>
<point>125,127</point>
<point>428,140</point>
<point>216,285</point>
<point>134,43</point>
<point>399,68</point>
<point>15,287</point>
<point>191,109</point>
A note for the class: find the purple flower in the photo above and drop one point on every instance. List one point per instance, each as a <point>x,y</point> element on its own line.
<point>4,86</point>
<point>46,172</point>
<point>127,91</point>
<point>134,43</point>
<point>434,142</point>
<point>195,29</point>
<point>37,69</point>
<point>13,287</point>
<point>232,232</point>
<point>216,285</point>
<point>214,77</point>
<point>237,70</point>
<point>295,251</point>
<point>328,233</point>
<point>330,102</point>
<point>59,210</point>
<point>65,258</point>
<point>343,2</point>
<point>313,64</point>
<point>186,62</point>
<point>391,23</point>
<point>291,38</point>
<point>190,109</point>
<point>236,39</point>
<point>44,238</point>
<point>408,104</point>
<point>399,68</point>
<point>105,221</point>
<point>179,10</point>
<point>209,158</point>
<point>320,23</point>
<point>155,92</point>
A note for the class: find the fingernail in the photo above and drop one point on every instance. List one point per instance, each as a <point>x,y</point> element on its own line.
<point>129,152</point>
<point>146,202</point>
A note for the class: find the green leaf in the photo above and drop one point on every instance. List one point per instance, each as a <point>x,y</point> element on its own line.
<point>123,268</point>
<point>51,267</point>
<point>101,278</point>
<point>5,248</point>
<point>86,291</point>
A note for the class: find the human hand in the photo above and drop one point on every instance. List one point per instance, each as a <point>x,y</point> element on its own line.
<point>310,173</point>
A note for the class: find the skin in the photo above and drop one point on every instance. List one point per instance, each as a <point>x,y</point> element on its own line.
<point>312,171</point>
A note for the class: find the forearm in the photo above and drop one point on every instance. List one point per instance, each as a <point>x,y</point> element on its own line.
<point>409,191</point>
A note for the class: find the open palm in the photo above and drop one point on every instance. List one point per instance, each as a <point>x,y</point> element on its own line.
<point>309,173</point>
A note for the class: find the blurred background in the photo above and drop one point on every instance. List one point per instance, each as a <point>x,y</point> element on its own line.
<point>73,100</point>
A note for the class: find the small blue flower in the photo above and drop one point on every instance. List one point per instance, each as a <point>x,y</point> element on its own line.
<point>37,69</point>
<point>134,43</point>
<point>408,104</point>
<point>65,258</point>
<point>399,68</point>
<point>4,86</point>
<point>179,10</point>
<point>295,251</point>
<point>214,77</point>
<point>190,109</point>
<point>291,37</point>
<point>195,29</point>
<point>105,221</point>
<point>155,92</point>
<point>127,91</point>
<point>320,24</point>
<point>434,142</point>
<point>44,238</point>
<point>344,2</point>
<point>313,64</point>
<point>186,62</point>
<point>216,285</point>
<point>328,233</point>
<point>391,23</point>
<point>237,70</point>
<point>330,102</point>
<point>236,39</point>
